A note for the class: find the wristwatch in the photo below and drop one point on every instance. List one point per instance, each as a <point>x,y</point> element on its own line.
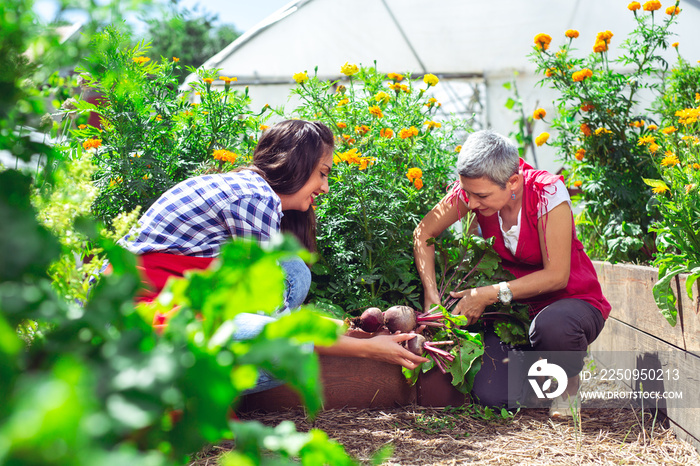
<point>504,293</point>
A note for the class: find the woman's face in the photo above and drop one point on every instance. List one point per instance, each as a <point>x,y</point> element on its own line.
<point>484,195</point>
<point>315,185</point>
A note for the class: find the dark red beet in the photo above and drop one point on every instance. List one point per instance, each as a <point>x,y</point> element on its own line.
<point>400,318</point>
<point>372,319</point>
<point>415,345</point>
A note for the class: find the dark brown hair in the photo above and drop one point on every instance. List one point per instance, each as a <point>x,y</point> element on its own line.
<point>286,156</point>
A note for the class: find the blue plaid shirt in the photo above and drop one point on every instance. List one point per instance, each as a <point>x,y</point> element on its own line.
<point>198,215</point>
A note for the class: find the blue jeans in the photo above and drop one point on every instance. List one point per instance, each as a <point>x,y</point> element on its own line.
<point>297,283</point>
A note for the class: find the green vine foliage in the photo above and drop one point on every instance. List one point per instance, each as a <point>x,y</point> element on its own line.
<point>599,123</point>
<point>153,135</point>
<point>393,162</point>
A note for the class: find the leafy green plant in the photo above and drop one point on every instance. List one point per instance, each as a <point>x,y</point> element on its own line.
<point>676,198</point>
<point>153,135</point>
<point>393,162</point>
<point>599,124</point>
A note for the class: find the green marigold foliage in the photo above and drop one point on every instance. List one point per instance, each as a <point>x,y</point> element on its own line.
<point>599,125</point>
<point>393,162</point>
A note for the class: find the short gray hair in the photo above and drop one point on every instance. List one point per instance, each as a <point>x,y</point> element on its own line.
<point>487,154</point>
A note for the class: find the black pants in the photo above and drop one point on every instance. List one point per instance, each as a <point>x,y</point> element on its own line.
<point>568,325</point>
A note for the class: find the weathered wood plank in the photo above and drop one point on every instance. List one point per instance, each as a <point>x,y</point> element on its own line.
<point>628,288</point>
<point>652,353</point>
<point>347,382</point>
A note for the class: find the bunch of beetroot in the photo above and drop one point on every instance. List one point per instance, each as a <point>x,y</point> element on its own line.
<point>403,319</point>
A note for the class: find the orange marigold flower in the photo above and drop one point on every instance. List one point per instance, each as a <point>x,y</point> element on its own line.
<point>395,76</point>
<point>539,114</point>
<point>673,10</point>
<point>550,72</point>
<point>674,45</point>
<point>669,130</point>
<point>541,139</point>
<point>263,127</point>
<point>578,183</point>
<point>141,60</point>
<point>653,148</point>
<point>652,127</point>
<point>414,173</point>
<point>652,5</point>
<point>418,183</point>
<point>670,161</point>
<point>92,143</point>
<point>646,140</point>
<point>362,130</point>
<point>688,116</point>
<point>571,33</point>
<point>587,107</point>
<point>175,59</point>
<point>696,166</point>
<point>458,148</point>
<point>542,41</point>
<point>208,80</point>
<point>376,111</point>
<point>432,124</point>
<point>82,126</point>
<point>225,155</point>
<point>341,125</point>
<point>637,124</point>
<point>634,6</point>
<point>580,154</point>
<point>431,101</point>
<point>585,129</point>
<point>349,69</point>
<point>228,80</point>
<point>579,76</point>
<point>386,133</point>
<point>430,79</point>
<point>600,46</point>
<point>406,133</point>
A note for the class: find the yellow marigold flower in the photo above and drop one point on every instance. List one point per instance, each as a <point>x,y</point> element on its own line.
<point>587,107</point>
<point>343,102</point>
<point>431,101</point>
<point>140,60</point>
<point>637,123</point>
<point>571,33</point>
<point>159,118</point>
<point>542,41</point>
<point>365,161</point>
<point>418,183</point>
<point>550,72</point>
<point>578,183</point>
<point>585,129</point>
<point>669,130</point>
<point>414,173</point>
<point>341,125</point>
<point>579,76</point>
<point>653,148</point>
<point>580,154</point>
<point>670,161</point>
<point>386,133</point>
<point>458,148</point>
<point>395,76</point>
<point>696,166</point>
<point>602,130</point>
<point>82,126</point>
<point>208,80</point>
<point>349,69</point>
<point>225,155</point>
<point>652,127</point>
<point>688,116</point>
<point>634,6</point>
<point>433,124</point>
<point>674,45</point>
<point>376,111</point>
<point>228,80</point>
<point>382,97</point>
<point>646,140</point>
<point>300,77</point>
<point>112,183</point>
<point>92,143</point>
<point>600,46</point>
<point>263,127</point>
<point>660,189</point>
<point>672,10</point>
<point>539,114</point>
<point>697,97</point>
<point>652,5</point>
<point>175,59</point>
<point>430,79</point>
<point>541,139</point>
<point>406,133</point>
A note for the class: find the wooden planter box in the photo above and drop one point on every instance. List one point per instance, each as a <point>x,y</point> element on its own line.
<point>636,324</point>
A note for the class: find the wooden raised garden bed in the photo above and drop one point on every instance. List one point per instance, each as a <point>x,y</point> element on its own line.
<point>636,325</point>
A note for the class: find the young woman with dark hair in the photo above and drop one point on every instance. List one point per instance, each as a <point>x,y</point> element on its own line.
<point>185,228</point>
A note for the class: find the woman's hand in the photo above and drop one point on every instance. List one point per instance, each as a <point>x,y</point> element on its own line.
<point>473,302</point>
<point>388,348</point>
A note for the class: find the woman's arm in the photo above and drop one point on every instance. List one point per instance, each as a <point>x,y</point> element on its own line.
<point>385,348</point>
<point>554,276</point>
<point>444,214</point>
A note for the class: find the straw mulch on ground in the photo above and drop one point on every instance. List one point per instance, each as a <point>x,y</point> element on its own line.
<point>448,436</point>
